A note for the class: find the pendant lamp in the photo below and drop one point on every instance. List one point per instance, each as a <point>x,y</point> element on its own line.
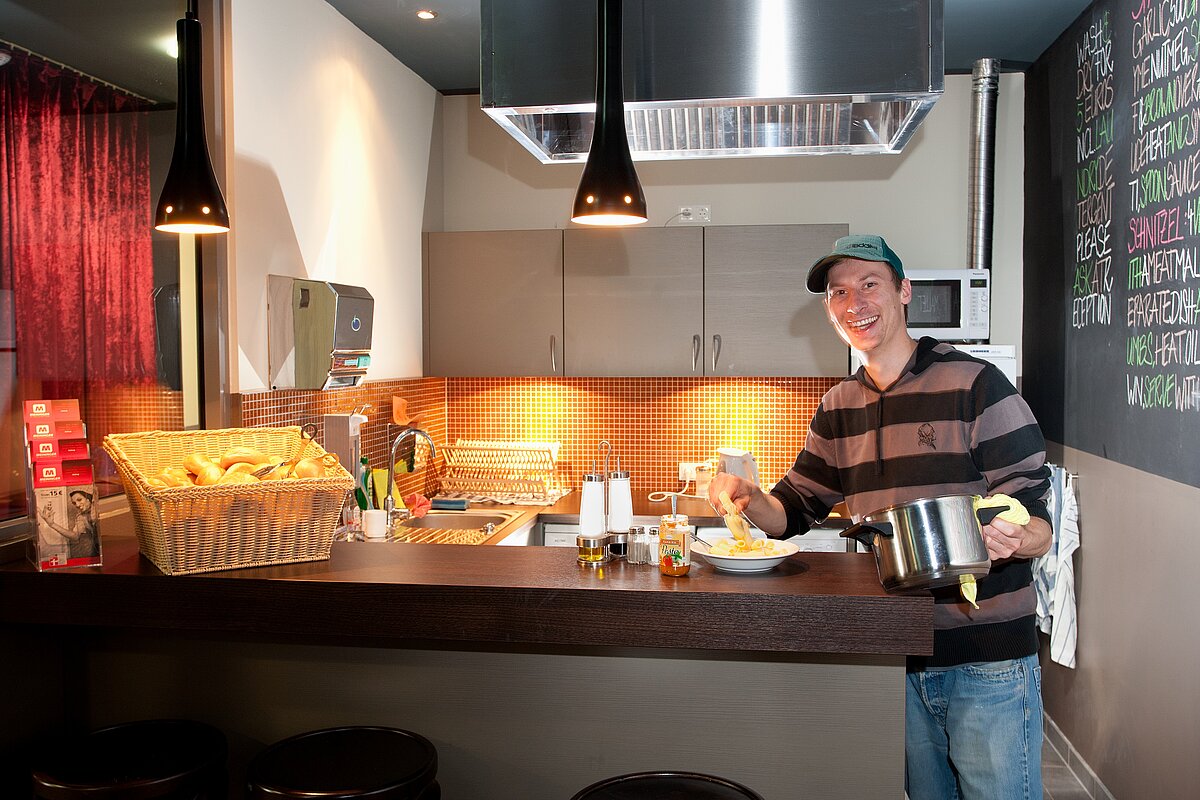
<point>191,200</point>
<point>609,192</point>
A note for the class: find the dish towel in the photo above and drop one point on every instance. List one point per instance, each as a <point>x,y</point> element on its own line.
<point>1054,573</point>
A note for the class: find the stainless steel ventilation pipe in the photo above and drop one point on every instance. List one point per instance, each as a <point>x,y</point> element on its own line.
<point>985,85</point>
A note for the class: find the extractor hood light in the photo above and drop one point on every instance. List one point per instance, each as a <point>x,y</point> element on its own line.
<point>191,200</point>
<point>609,192</point>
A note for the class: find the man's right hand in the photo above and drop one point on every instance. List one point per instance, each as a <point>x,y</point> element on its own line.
<point>759,508</point>
<point>740,491</point>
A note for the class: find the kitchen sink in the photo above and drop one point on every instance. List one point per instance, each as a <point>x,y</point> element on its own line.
<point>458,520</point>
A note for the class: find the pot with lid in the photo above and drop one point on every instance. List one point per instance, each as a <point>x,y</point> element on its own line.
<point>927,543</point>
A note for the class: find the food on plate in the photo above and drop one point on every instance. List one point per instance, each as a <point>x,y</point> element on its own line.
<point>754,548</point>
<point>1015,513</point>
<point>734,520</point>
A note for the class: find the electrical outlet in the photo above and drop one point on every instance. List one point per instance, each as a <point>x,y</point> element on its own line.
<point>687,470</point>
<point>695,214</point>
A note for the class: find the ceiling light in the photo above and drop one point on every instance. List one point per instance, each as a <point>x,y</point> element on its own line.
<point>425,13</point>
<point>168,45</point>
<point>5,57</point>
<point>191,200</point>
<point>609,192</point>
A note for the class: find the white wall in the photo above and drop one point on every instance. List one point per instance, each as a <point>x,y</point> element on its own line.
<point>331,140</point>
<point>917,199</point>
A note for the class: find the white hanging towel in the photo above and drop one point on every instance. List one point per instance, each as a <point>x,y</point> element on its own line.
<point>1054,573</point>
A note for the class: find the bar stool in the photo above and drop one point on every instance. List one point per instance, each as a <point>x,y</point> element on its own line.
<point>345,763</point>
<point>165,759</point>
<point>666,786</point>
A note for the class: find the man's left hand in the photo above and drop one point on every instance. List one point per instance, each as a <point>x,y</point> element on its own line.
<point>1007,539</point>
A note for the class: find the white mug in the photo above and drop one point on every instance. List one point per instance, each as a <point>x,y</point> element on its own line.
<point>375,523</point>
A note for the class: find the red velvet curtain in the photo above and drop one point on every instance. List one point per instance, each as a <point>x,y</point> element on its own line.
<point>75,200</point>
<point>75,235</point>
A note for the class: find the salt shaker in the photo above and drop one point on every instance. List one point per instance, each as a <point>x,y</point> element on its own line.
<point>638,545</point>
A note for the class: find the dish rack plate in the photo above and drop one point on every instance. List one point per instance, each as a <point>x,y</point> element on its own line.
<point>501,472</point>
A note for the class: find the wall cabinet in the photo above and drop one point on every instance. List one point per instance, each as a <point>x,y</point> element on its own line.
<point>759,319</point>
<point>633,301</point>
<point>493,303</point>
<point>674,302</point>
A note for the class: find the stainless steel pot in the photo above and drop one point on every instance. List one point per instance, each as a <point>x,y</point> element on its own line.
<point>927,543</point>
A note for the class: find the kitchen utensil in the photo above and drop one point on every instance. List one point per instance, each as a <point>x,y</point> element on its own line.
<point>927,543</point>
<point>749,564</point>
<point>307,433</point>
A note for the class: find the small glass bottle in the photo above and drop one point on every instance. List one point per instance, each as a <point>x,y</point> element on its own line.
<point>674,545</point>
<point>593,550</point>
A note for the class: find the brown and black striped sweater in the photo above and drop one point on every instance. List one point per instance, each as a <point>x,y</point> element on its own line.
<point>951,424</point>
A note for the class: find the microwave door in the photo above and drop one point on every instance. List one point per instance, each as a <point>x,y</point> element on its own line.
<point>936,308</point>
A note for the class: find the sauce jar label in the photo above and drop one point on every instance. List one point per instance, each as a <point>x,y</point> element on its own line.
<point>674,552</point>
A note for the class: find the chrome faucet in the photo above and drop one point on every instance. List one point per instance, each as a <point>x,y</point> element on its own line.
<point>389,502</point>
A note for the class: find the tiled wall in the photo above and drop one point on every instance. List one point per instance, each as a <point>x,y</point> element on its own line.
<point>125,409</point>
<point>652,423</point>
<point>426,408</point>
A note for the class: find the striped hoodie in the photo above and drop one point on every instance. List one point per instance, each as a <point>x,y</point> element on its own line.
<point>951,424</point>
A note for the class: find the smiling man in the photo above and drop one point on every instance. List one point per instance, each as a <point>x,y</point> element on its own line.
<point>921,420</point>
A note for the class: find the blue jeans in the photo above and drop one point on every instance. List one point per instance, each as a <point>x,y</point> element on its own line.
<point>974,732</point>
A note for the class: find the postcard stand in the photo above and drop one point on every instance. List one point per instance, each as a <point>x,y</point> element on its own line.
<point>61,487</point>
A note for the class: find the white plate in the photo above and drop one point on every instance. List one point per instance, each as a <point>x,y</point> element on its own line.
<point>746,564</point>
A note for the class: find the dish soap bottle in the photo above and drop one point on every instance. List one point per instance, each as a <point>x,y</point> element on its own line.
<point>362,485</point>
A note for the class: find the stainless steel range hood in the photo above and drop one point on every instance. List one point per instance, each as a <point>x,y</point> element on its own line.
<point>717,78</point>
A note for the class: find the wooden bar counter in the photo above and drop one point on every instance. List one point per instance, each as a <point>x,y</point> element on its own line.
<point>534,676</point>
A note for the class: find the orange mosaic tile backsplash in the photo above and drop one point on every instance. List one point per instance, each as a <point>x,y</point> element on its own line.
<point>652,423</point>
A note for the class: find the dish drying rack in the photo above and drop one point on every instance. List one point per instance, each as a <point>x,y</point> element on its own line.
<point>501,472</point>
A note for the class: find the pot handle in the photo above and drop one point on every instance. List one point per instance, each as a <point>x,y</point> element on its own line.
<point>989,513</point>
<point>866,534</point>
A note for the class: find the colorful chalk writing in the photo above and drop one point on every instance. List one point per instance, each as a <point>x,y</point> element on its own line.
<point>1091,291</point>
<point>1161,285</point>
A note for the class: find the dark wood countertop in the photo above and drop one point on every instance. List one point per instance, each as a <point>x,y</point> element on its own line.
<point>401,594</point>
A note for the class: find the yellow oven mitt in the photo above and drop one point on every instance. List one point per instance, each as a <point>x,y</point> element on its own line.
<point>1015,513</point>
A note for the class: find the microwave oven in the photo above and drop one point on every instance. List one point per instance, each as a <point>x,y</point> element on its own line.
<point>951,305</point>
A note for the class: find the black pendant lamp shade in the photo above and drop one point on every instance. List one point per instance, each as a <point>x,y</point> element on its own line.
<point>609,191</point>
<point>191,200</point>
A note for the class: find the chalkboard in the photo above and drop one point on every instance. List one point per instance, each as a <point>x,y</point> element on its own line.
<point>1117,100</point>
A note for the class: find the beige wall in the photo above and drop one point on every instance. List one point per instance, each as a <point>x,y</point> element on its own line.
<point>916,199</point>
<point>331,139</point>
<point>1130,705</point>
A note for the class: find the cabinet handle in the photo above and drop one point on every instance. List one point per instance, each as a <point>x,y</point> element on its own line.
<point>553,360</point>
<point>695,351</point>
<point>716,351</point>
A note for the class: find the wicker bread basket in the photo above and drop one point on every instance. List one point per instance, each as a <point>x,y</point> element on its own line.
<point>208,528</point>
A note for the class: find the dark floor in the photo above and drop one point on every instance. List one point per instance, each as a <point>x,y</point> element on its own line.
<point>1058,782</point>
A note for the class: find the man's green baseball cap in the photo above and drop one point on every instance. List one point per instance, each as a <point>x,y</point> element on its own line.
<point>861,246</point>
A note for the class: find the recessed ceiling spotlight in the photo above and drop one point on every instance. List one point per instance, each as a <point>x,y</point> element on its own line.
<point>425,13</point>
